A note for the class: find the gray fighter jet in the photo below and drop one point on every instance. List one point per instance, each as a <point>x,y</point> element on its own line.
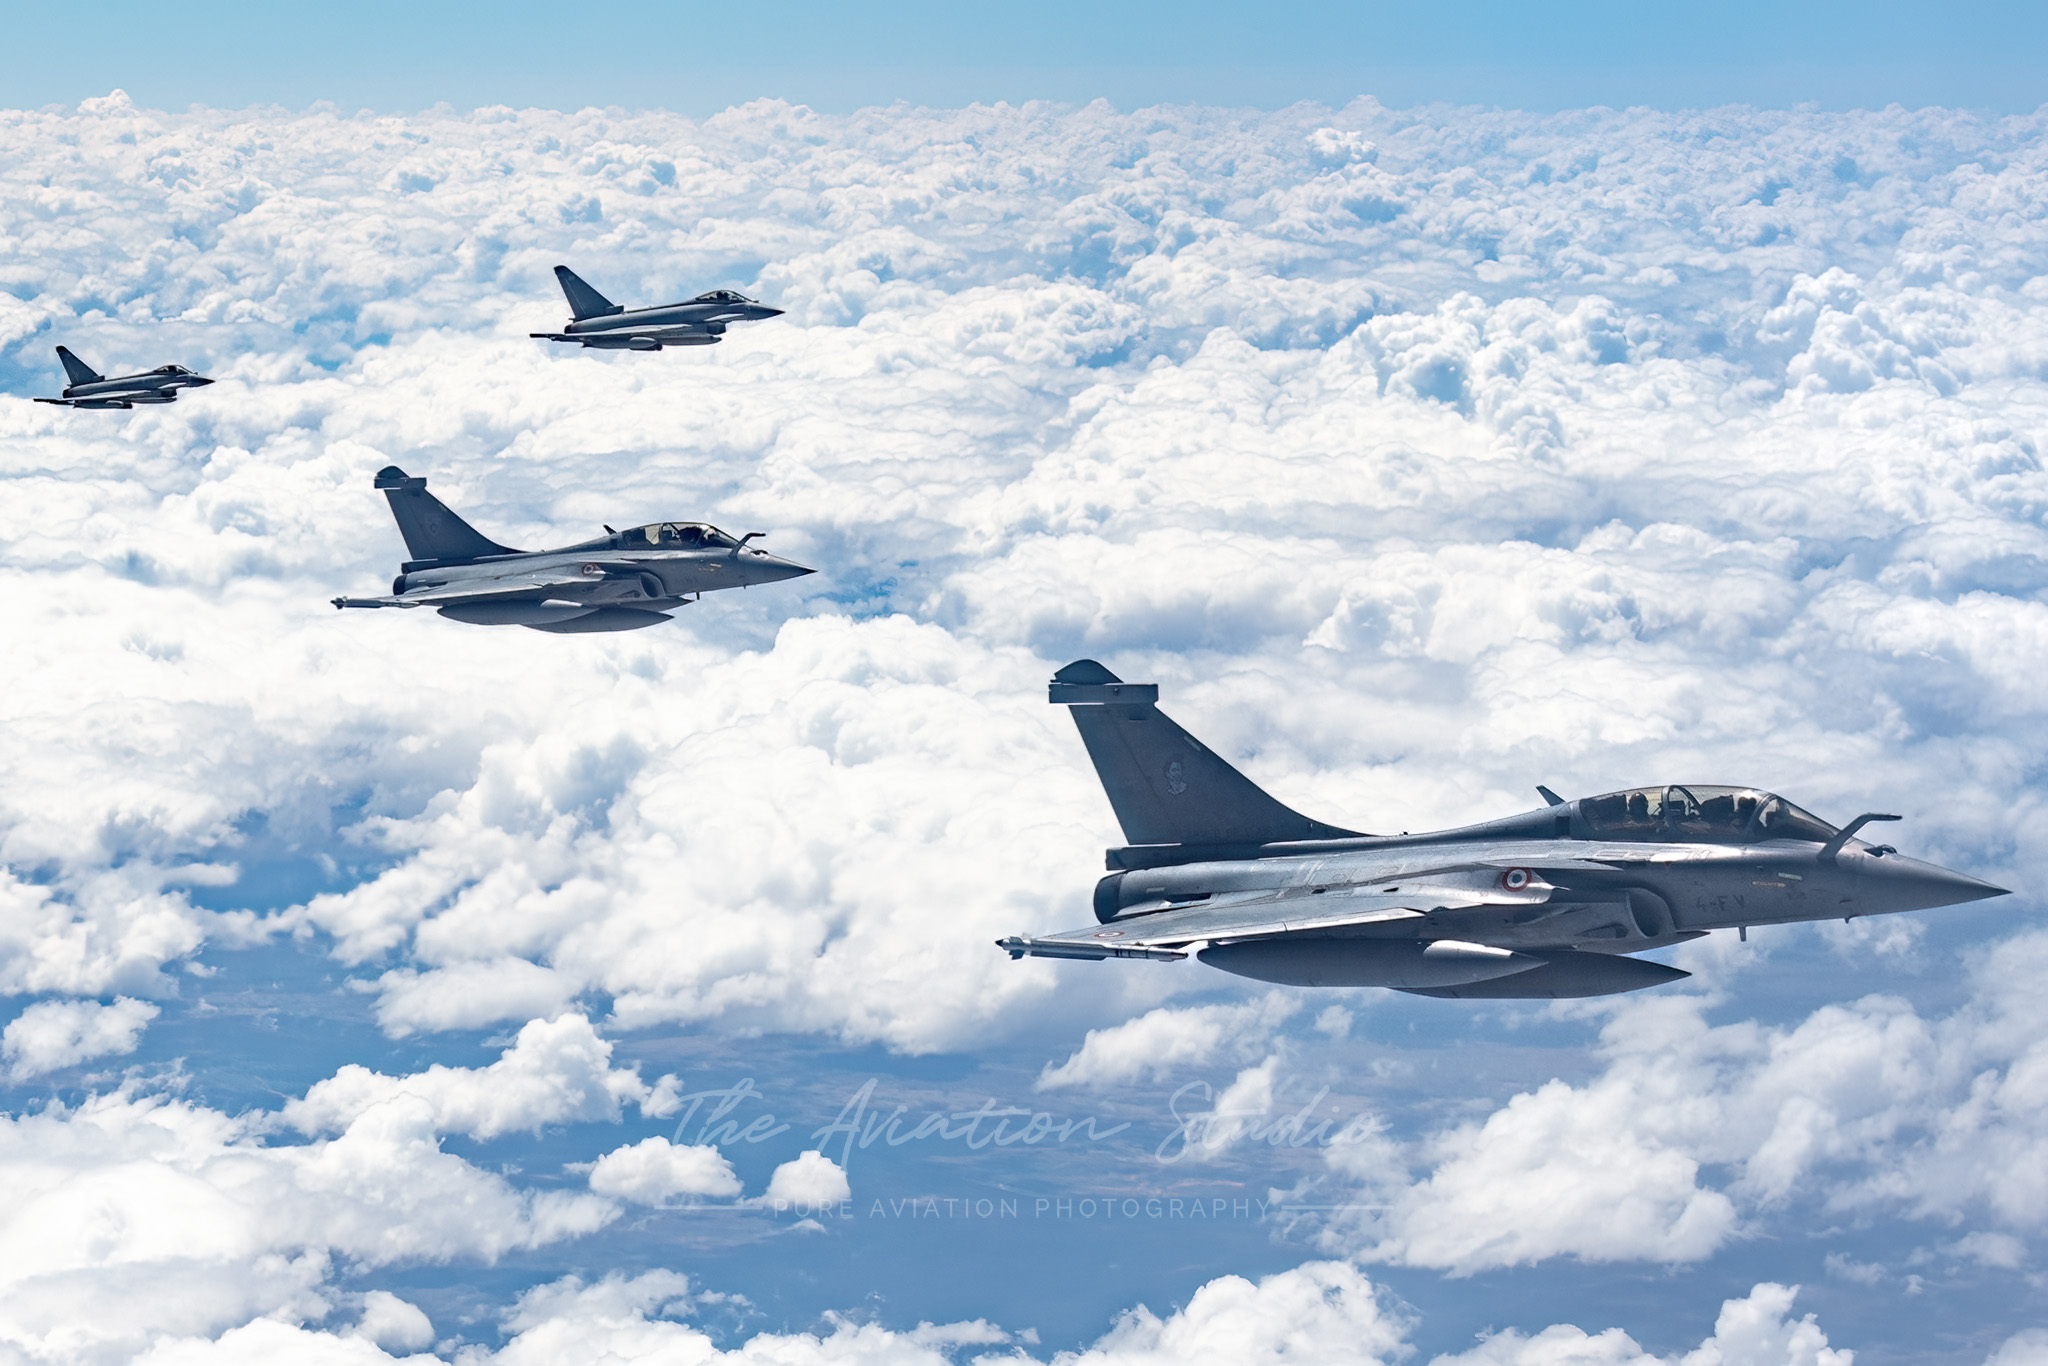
<point>91,389</point>
<point>1545,904</point>
<point>597,321</point>
<point>622,581</point>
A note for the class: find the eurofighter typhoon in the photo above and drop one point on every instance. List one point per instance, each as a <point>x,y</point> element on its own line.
<point>91,389</point>
<point>1550,903</point>
<point>598,322</point>
<point>621,581</point>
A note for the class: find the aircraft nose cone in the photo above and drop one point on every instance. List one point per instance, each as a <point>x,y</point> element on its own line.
<point>774,569</point>
<point>1903,884</point>
<point>200,381</point>
<point>1961,887</point>
<point>763,311</point>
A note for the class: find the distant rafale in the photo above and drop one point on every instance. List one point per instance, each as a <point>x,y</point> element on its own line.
<point>91,389</point>
<point>1547,904</point>
<point>621,581</point>
<point>596,321</point>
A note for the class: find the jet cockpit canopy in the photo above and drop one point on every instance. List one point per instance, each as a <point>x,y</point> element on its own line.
<point>673,536</point>
<point>722,296</point>
<point>1698,813</point>
<point>171,370</point>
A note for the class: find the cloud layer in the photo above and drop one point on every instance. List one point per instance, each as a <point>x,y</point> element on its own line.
<point>1421,458</point>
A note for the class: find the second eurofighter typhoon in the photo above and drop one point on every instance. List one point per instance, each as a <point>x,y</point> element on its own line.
<point>596,321</point>
<point>91,389</point>
<point>621,581</point>
<point>1545,904</point>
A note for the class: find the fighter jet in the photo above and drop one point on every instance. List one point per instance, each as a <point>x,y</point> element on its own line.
<point>621,581</point>
<point>91,389</point>
<point>1546,904</point>
<point>596,321</point>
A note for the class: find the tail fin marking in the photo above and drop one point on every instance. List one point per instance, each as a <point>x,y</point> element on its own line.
<point>1166,786</point>
<point>584,302</point>
<point>78,370</point>
<point>431,530</point>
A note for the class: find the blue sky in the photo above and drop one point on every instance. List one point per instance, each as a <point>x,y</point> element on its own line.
<point>355,968</point>
<point>697,58</point>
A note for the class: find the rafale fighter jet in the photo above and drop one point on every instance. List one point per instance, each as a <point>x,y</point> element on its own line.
<point>1545,904</point>
<point>597,321</point>
<point>91,389</point>
<point>621,581</point>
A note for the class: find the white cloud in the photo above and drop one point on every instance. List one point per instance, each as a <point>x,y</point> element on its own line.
<point>132,1218</point>
<point>1410,454</point>
<point>653,1172</point>
<point>555,1072</point>
<point>808,1180</point>
<point>53,1034</point>
<point>469,995</point>
<point>1691,1129</point>
<point>1753,1331</point>
<point>394,1324</point>
<point>2028,1348</point>
<point>1321,1311</point>
<point>1163,1042</point>
<point>263,1341</point>
<point>1544,478</point>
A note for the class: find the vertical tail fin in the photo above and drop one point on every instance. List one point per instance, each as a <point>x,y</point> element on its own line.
<point>431,531</point>
<point>78,370</point>
<point>584,302</point>
<point>1165,785</point>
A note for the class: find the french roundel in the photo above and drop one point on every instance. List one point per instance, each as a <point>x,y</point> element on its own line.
<point>1515,879</point>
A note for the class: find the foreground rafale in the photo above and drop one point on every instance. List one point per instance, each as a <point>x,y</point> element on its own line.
<point>596,321</point>
<point>91,389</point>
<point>621,581</point>
<point>1545,904</point>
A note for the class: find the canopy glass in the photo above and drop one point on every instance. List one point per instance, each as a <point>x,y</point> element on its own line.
<point>1697,813</point>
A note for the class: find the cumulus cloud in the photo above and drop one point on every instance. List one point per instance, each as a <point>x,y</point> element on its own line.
<point>654,1171</point>
<point>394,1324</point>
<point>1320,1311</point>
<point>134,1217</point>
<point>53,1034</point>
<point>2021,1349</point>
<point>1164,1041</point>
<point>1347,400</point>
<point>1421,457</point>
<point>1756,1330</point>
<point>1690,1127</point>
<point>555,1072</point>
<point>810,1179</point>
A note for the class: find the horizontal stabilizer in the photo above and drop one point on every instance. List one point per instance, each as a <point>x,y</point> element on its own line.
<point>1166,786</point>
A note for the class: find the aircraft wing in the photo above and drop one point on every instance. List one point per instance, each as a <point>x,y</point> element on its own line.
<point>505,588</point>
<point>634,339</point>
<point>88,402</point>
<point>1255,915</point>
<point>1166,934</point>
